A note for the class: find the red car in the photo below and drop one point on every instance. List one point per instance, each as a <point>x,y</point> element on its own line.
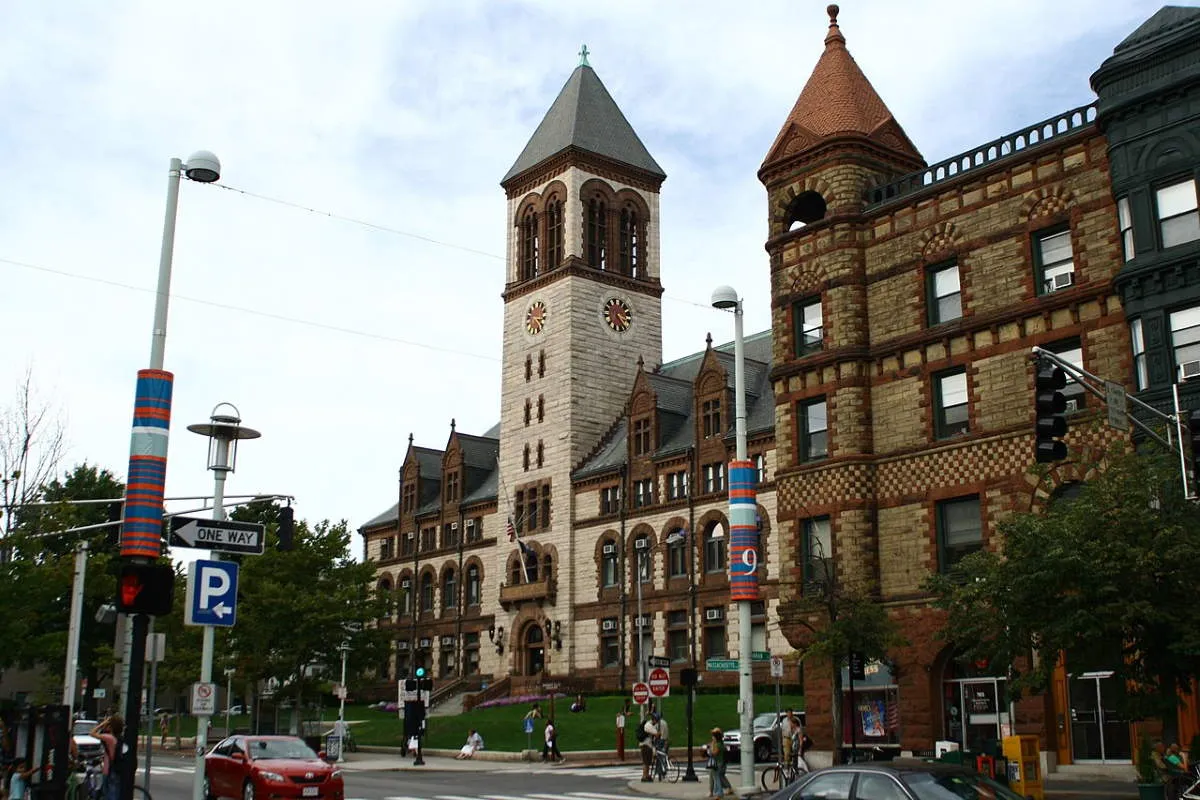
<point>266,767</point>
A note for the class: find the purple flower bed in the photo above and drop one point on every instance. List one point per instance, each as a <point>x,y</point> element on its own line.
<point>516,701</point>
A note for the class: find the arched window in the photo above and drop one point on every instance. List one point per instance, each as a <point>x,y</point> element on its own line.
<point>427,592</point>
<point>554,232</point>
<point>514,571</point>
<point>677,553</point>
<point>529,245</point>
<point>473,593</point>
<point>450,590</point>
<point>629,244</point>
<point>596,225</point>
<point>608,563</point>
<point>714,548</point>
<point>805,209</point>
<point>405,596</point>
<point>547,566</point>
<point>385,592</point>
<point>643,558</point>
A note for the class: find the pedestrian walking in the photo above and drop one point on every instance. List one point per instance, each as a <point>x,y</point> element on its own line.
<point>714,762</point>
<point>647,733</point>
<point>164,726</point>
<point>621,731</point>
<point>550,750</point>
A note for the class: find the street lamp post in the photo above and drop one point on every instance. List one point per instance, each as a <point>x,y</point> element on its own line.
<point>726,298</point>
<point>141,529</point>
<point>224,431</point>
<point>343,648</point>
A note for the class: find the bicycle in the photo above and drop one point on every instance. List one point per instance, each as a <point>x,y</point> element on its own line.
<point>91,784</point>
<point>666,767</point>
<point>1192,792</point>
<point>777,776</point>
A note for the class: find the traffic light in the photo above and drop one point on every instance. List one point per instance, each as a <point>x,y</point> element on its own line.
<point>145,589</point>
<point>420,672</point>
<point>1051,413</point>
<point>287,523</point>
<point>112,533</point>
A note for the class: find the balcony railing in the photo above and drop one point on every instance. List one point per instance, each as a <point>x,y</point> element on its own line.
<point>541,589</point>
<point>985,155</point>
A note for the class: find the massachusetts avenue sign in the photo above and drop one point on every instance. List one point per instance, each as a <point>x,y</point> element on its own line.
<point>225,536</point>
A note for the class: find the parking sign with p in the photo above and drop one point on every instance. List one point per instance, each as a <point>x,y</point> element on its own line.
<point>211,593</point>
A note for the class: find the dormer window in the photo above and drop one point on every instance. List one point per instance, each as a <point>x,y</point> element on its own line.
<point>529,244</point>
<point>596,227</point>
<point>641,437</point>
<point>452,487</point>
<point>554,232</point>
<point>710,414</point>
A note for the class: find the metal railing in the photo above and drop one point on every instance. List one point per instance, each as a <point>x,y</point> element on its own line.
<point>985,155</point>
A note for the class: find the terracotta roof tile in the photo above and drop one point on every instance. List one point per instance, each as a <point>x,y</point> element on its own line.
<point>837,100</point>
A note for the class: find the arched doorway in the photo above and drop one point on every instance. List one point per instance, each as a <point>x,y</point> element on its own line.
<point>535,649</point>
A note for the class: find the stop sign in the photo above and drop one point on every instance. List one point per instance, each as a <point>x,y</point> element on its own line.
<point>660,682</point>
<point>641,693</point>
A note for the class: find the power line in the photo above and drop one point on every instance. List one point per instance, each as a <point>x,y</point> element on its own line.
<point>253,311</point>
<point>375,226</point>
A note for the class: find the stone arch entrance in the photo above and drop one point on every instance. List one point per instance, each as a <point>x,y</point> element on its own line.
<point>533,643</point>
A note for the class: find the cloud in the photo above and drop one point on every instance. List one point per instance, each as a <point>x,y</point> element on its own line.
<point>407,115</point>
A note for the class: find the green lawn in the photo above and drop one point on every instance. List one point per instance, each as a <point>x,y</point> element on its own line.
<point>594,729</point>
<point>502,726</point>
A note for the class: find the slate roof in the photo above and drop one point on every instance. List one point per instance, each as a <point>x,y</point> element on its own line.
<point>585,116</point>
<point>673,383</point>
<point>1167,20</point>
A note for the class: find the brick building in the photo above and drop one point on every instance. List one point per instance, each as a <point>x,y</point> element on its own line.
<point>610,464</point>
<point>890,409</point>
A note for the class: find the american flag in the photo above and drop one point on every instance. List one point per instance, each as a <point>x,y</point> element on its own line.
<point>512,531</point>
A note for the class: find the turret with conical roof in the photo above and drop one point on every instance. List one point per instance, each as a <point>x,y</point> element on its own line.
<point>837,115</point>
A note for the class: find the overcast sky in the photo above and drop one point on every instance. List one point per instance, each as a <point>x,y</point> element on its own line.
<point>336,339</point>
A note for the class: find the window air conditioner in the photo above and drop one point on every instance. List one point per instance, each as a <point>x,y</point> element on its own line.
<point>401,645</point>
<point>453,526</point>
<point>1189,370</point>
<point>447,641</point>
<point>608,625</point>
<point>1072,405</point>
<point>712,614</point>
<point>410,535</point>
<point>1060,281</point>
<point>609,549</point>
<point>641,544</point>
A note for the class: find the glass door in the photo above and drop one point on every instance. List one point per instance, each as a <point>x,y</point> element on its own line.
<point>982,714</point>
<point>1099,734</point>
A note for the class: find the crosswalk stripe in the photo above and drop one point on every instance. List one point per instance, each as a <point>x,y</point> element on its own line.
<point>553,797</point>
<point>455,797</point>
<point>402,797</point>
<point>598,796</point>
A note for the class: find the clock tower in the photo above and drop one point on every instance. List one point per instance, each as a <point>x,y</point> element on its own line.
<point>581,301</point>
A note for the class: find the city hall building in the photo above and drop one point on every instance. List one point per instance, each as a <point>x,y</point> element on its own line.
<point>890,406</point>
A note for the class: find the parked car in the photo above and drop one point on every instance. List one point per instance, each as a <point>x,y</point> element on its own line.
<point>766,737</point>
<point>249,767</point>
<point>88,746</point>
<point>902,779</point>
<point>238,710</point>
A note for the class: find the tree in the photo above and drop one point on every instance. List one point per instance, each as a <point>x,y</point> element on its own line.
<point>841,614</point>
<point>31,447</point>
<point>38,581</point>
<point>296,607</point>
<point>1106,577</point>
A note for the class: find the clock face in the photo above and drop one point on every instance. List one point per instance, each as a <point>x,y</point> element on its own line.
<point>535,317</point>
<point>618,315</point>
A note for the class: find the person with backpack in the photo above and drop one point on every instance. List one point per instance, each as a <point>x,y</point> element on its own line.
<point>647,732</point>
<point>116,754</point>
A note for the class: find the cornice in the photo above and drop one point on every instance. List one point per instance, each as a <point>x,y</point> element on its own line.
<point>527,181</point>
<point>574,266</point>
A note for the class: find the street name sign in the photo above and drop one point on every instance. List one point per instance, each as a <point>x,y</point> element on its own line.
<point>721,665</point>
<point>211,593</point>
<point>660,682</point>
<point>1118,406</point>
<point>760,655</point>
<point>222,535</point>
<point>659,661</point>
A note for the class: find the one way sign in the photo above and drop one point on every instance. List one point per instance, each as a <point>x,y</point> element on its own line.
<point>211,593</point>
<point>224,535</point>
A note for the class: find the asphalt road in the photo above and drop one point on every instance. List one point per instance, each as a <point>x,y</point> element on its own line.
<point>171,779</point>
